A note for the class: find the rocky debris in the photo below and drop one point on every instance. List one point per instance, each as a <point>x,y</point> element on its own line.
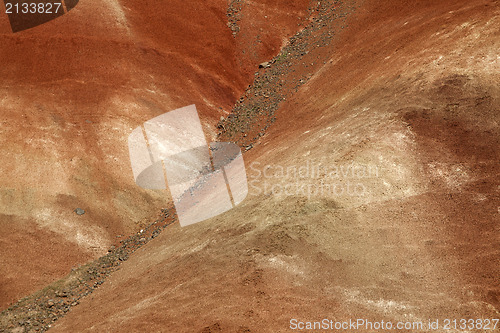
<point>254,112</point>
<point>265,64</point>
<point>234,16</point>
<point>37,312</point>
<point>79,211</point>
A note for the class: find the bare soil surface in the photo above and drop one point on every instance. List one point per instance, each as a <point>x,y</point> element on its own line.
<point>71,91</point>
<point>38,311</point>
<point>395,217</point>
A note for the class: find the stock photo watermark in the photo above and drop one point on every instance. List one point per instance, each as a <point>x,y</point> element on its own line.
<point>363,325</point>
<point>205,179</point>
<point>311,179</point>
<point>24,14</point>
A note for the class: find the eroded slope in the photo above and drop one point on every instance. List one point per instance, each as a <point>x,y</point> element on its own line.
<point>410,90</point>
<point>71,91</point>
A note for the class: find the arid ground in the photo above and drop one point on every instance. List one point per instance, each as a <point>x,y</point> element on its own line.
<point>371,137</point>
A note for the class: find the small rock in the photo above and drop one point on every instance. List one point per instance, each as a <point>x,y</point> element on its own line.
<point>79,211</point>
<point>265,64</point>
